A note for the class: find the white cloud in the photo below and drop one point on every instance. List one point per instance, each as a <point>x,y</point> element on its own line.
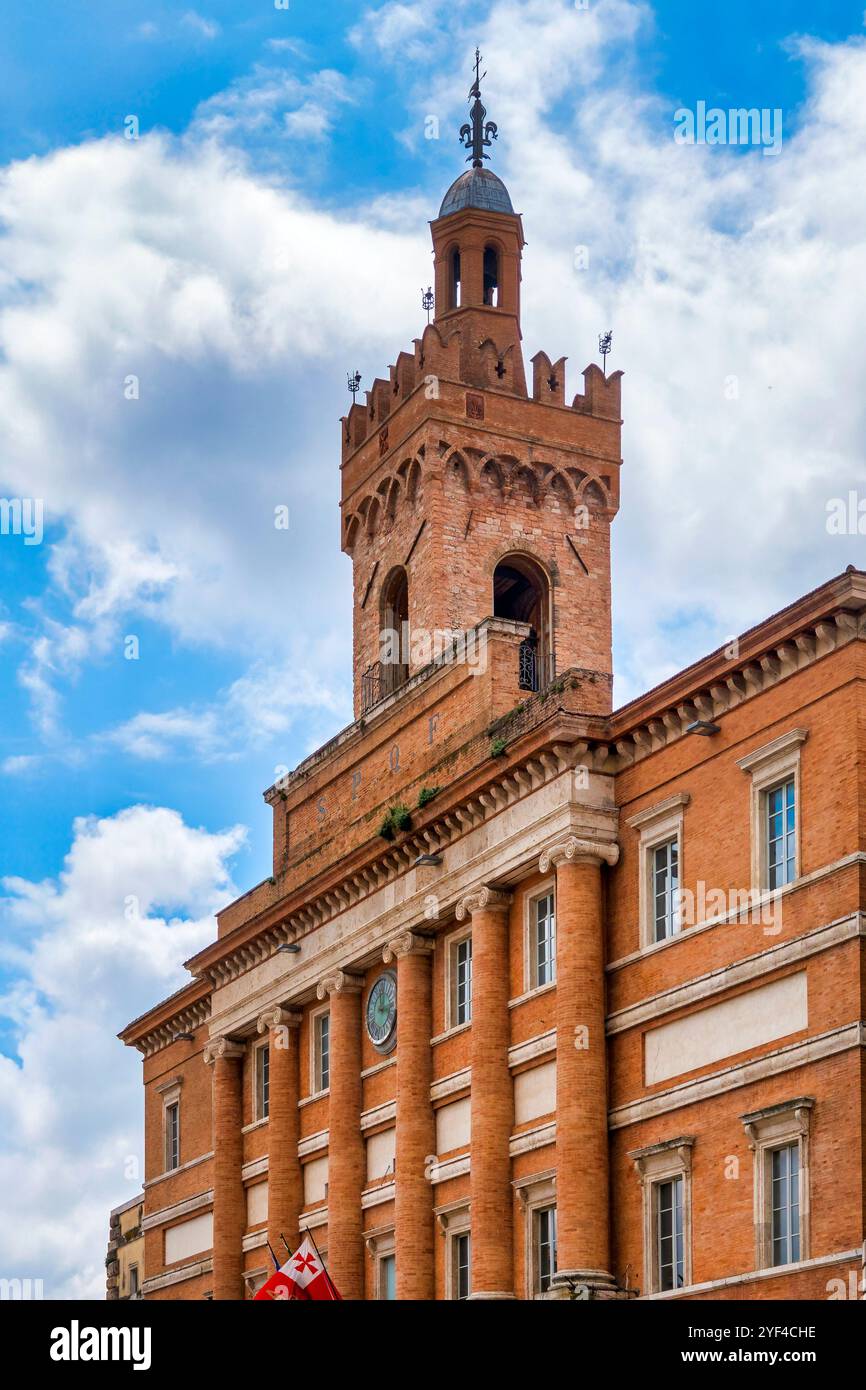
<point>270,102</point>
<point>205,28</point>
<point>235,305</point>
<point>89,952</point>
<point>262,705</point>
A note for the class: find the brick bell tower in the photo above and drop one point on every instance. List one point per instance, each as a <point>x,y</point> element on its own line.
<point>466,496</point>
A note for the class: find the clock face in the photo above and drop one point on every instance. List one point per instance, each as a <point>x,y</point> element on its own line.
<point>382,1012</point>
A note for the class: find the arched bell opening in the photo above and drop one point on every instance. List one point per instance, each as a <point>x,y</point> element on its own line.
<point>521,592</point>
<point>492,290</point>
<point>454,280</point>
<point>394,631</point>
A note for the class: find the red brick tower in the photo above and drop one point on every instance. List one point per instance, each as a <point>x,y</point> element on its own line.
<point>464,496</point>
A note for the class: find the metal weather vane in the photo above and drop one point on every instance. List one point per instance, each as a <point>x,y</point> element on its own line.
<point>478,134</point>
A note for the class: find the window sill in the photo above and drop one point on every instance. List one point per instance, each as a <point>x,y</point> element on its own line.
<point>450,1033</point>
<point>318,1095</point>
<point>256,1124</point>
<point>531,994</point>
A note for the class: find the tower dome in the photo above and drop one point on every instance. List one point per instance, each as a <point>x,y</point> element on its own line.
<point>477,188</point>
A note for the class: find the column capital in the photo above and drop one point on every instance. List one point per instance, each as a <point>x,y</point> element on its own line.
<point>576,851</point>
<point>339,982</point>
<point>483,899</point>
<point>223,1047</point>
<point>410,943</point>
<point>278,1017</point>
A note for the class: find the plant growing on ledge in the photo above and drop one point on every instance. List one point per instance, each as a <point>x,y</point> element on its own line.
<point>426,794</point>
<point>497,748</point>
<point>398,819</point>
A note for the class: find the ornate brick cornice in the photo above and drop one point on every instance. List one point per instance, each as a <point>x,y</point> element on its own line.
<point>575,851</point>
<point>820,623</point>
<point>484,899</point>
<point>278,1017</point>
<point>408,944</point>
<point>339,982</point>
<point>223,1047</point>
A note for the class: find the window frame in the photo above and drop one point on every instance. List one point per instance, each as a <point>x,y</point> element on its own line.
<point>656,1165</point>
<point>676,1183</point>
<point>261,1087</point>
<point>658,825</point>
<point>534,1194</point>
<point>454,1221</point>
<point>767,815</point>
<point>381,1246</point>
<point>451,945</point>
<point>317,1086</point>
<point>769,767</point>
<point>455,1240</point>
<point>769,1130</point>
<point>530,935</point>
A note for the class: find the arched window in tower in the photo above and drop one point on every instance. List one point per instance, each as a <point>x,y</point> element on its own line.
<point>491,276</point>
<point>394,634</point>
<point>454,284</point>
<point>521,591</point>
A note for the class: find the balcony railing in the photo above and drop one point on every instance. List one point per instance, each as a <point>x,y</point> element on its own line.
<point>528,664</point>
<point>372,686</point>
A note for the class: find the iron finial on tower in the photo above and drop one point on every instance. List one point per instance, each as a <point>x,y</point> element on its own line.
<point>353,381</point>
<point>604,344</point>
<point>428,300</point>
<point>477,133</point>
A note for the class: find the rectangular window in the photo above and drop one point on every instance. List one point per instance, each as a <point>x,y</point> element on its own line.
<point>665,871</point>
<point>263,1081</point>
<point>545,1247</point>
<point>172,1135</point>
<point>322,1045</point>
<point>133,1281</point>
<point>463,981</point>
<point>669,1234</point>
<point>781,830</point>
<point>388,1277</point>
<point>460,1255</point>
<point>544,941</point>
<point>785,1202</point>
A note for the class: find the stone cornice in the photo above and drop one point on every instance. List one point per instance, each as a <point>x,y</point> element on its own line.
<point>486,899</point>
<point>222,1047</point>
<point>408,944</point>
<point>577,851</point>
<point>185,1021</point>
<point>278,1017</point>
<point>339,982</point>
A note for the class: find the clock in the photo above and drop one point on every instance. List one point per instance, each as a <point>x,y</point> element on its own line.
<point>382,1012</point>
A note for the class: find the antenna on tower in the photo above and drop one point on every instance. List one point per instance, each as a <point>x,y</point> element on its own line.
<point>427,300</point>
<point>353,381</point>
<point>604,342</point>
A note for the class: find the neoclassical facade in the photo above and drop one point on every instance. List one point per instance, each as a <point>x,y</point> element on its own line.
<point>543,999</point>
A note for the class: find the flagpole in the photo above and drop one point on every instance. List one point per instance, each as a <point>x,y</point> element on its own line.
<point>309,1233</point>
<point>273,1256</point>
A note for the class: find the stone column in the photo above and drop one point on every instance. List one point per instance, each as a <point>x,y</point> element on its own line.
<point>582,1167</point>
<point>492,1101</point>
<point>416,1135</point>
<point>285,1180</point>
<point>229,1198</point>
<point>347,1168</point>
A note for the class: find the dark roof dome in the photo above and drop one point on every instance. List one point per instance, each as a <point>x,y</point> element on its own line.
<point>477,188</point>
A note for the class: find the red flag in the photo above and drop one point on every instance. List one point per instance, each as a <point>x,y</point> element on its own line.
<point>303,1276</point>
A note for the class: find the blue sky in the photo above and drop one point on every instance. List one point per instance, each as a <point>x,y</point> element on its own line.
<point>265,233</point>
